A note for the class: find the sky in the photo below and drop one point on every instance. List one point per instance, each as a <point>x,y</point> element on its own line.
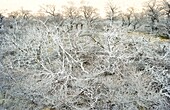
<point>34,5</point>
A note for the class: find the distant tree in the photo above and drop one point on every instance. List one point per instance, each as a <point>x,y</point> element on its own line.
<point>14,14</point>
<point>52,12</point>
<point>153,12</point>
<point>1,18</point>
<point>21,14</point>
<point>71,13</point>
<point>136,19</point>
<point>166,8</point>
<point>24,14</point>
<point>111,11</point>
<point>129,14</point>
<point>166,12</point>
<point>89,13</point>
<point>122,17</point>
<point>127,17</point>
<point>49,9</point>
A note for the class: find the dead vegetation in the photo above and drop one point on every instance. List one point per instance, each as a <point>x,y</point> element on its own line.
<point>113,70</point>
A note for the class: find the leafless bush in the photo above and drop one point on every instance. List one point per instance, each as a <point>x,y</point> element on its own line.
<point>43,68</point>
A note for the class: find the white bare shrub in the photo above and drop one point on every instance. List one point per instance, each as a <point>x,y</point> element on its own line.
<point>43,68</point>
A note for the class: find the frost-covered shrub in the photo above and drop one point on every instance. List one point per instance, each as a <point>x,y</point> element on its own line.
<point>43,68</point>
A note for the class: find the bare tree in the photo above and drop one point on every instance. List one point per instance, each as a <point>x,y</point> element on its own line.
<point>52,11</point>
<point>129,15</point>
<point>49,9</point>
<point>166,11</point>
<point>111,11</point>
<point>137,18</point>
<point>24,14</point>
<point>126,17</point>
<point>153,11</point>
<point>166,6</point>
<point>13,14</point>
<point>89,13</point>
<point>20,17</point>
<point>122,17</point>
<point>20,14</point>
<point>71,13</point>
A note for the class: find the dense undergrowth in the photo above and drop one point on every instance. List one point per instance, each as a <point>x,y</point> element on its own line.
<point>43,68</point>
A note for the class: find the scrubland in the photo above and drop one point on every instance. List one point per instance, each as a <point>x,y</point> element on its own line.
<point>44,67</point>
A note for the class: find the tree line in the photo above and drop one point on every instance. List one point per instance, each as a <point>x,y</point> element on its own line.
<point>154,18</point>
